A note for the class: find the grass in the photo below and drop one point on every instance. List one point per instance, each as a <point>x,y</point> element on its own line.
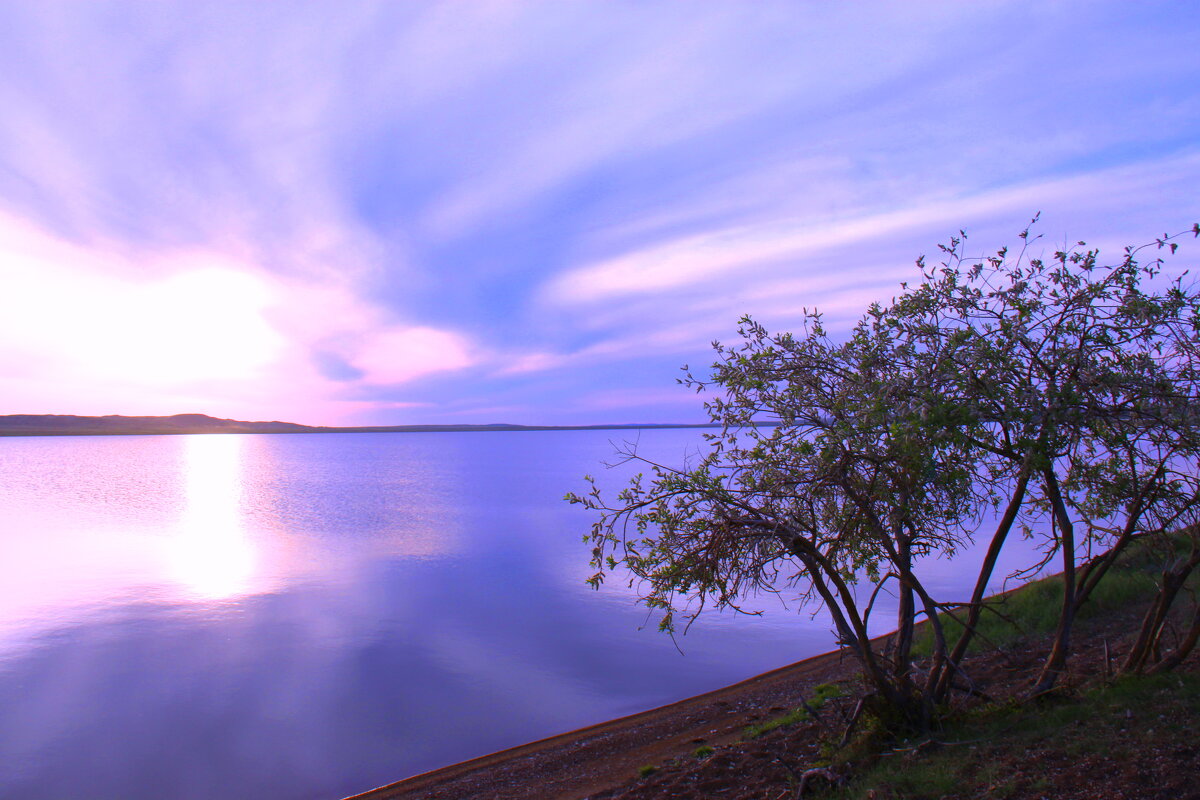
<point>821,694</point>
<point>1020,749</point>
<point>1034,608</point>
<point>982,753</point>
<point>647,770</point>
<point>793,717</point>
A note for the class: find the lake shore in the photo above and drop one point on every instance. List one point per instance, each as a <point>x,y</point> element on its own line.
<point>1097,738</point>
<point>583,762</point>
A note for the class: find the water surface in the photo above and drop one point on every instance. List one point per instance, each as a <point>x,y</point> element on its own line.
<point>309,616</point>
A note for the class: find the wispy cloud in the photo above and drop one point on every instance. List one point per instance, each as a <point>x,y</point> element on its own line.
<point>371,211</point>
<point>776,269</point>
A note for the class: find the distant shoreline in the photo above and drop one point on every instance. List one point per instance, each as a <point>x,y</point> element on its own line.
<point>190,424</point>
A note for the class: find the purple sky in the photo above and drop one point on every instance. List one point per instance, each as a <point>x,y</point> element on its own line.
<point>356,212</point>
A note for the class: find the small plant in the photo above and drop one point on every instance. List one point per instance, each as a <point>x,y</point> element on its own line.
<point>793,717</point>
<point>703,751</point>
<point>821,694</point>
<point>647,770</point>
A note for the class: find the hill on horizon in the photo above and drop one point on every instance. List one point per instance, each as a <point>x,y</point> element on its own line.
<point>119,425</point>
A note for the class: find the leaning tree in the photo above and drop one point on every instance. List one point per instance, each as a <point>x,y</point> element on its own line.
<point>997,393</point>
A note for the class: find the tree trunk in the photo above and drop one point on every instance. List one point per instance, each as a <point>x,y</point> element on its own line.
<point>1150,634</point>
<point>981,583</point>
<point>1056,662</point>
<point>1184,649</point>
<point>905,615</point>
<point>841,604</point>
<point>1091,573</point>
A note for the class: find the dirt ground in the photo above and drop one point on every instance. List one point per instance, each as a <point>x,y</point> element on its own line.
<point>1159,757</point>
<point>592,760</point>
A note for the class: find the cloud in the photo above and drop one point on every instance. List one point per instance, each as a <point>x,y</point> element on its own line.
<point>521,363</point>
<point>372,210</point>
<point>632,85</point>
<point>202,321</point>
<point>680,292</point>
<point>398,355</point>
<point>742,250</point>
<point>82,332</point>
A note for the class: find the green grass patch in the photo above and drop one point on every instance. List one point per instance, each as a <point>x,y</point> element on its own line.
<point>980,752</point>
<point>793,717</point>
<point>971,756</point>
<point>1120,588</point>
<point>703,751</point>
<point>821,694</point>
<point>647,770</point>
<point>941,776</point>
<point>1034,607</point>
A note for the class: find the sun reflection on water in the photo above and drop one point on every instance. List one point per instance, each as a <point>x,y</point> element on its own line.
<point>212,556</point>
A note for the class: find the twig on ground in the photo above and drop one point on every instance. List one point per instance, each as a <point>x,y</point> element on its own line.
<point>818,772</point>
<point>858,712</point>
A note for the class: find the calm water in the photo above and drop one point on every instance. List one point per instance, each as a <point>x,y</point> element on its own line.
<point>312,616</point>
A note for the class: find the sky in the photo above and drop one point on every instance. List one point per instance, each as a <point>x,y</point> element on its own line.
<point>353,212</point>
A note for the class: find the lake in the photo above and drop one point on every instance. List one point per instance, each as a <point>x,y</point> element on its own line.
<point>310,616</point>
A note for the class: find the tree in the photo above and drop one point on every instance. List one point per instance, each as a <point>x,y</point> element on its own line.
<point>1011,388</point>
<point>1081,380</point>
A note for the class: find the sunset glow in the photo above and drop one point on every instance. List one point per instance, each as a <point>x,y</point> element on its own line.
<point>211,555</point>
<point>393,213</point>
